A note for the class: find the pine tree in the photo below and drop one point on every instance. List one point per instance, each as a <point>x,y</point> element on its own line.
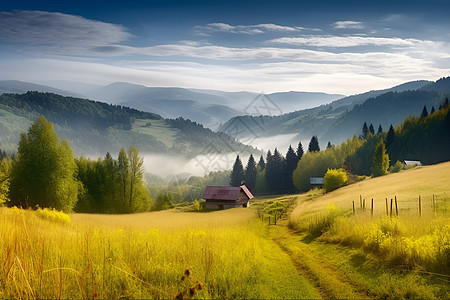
<point>390,136</point>
<point>380,160</point>
<point>262,163</point>
<point>314,144</point>
<point>237,174</point>
<point>274,172</point>
<point>329,145</point>
<point>299,151</point>
<point>250,173</point>
<point>123,176</point>
<point>365,131</point>
<point>44,172</point>
<point>380,129</point>
<point>432,110</point>
<point>371,129</point>
<point>424,112</point>
<point>289,167</point>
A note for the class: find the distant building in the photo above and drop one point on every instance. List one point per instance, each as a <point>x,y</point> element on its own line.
<point>224,197</point>
<point>316,181</point>
<point>413,163</point>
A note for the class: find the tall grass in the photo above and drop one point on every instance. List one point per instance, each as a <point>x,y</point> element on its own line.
<point>142,256</point>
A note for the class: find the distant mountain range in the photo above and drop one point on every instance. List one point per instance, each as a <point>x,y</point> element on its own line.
<point>344,118</point>
<point>94,128</point>
<point>208,107</point>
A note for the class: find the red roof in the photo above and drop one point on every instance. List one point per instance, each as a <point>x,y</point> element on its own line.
<point>225,192</point>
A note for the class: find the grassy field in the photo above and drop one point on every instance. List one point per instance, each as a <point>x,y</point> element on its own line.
<point>144,256</point>
<point>319,249</point>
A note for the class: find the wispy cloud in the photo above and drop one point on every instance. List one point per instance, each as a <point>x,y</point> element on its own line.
<point>348,25</point>
<point>52,28</point>
<point>349,41</point>
<point>247,29</point>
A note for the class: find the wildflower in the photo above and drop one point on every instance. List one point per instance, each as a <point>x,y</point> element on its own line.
<point>192,291</point>
<point>95,295</point>
<point>187,272</point>
<point>183,278</point>
<point>199,286</point>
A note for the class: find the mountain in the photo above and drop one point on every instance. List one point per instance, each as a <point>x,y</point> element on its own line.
<point>94,128</point>
<point>21,87</point>
<point>208,107</point>
<point>343,118</point>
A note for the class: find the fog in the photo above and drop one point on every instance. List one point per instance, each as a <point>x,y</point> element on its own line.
<point>281,142</point>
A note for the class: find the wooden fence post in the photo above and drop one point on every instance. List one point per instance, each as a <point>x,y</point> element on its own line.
<point>371,208</point>
<point>364,204</point>
<point>353,207</point>
<point>360,201</point>
<point>396,207</point>
<point>387,209</point>
<point>420,208</point>
<point>434,205</point>
<point>390,215</point>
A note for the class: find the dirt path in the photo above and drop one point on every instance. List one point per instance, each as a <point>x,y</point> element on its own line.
<point>330,281</point>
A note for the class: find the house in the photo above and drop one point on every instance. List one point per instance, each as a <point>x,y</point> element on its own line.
<point>224,197</point>
<point>412,163</point>
<point>316,181</point>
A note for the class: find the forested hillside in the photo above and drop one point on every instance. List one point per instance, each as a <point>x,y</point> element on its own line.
<point>94,128</point>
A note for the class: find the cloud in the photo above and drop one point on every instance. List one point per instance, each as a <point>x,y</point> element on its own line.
<point>41,28</point>
<point>246,29</point>
<point>348,25</point>
<point>349,41</point>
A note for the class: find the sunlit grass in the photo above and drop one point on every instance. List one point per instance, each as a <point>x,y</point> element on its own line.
<point>143,256</point>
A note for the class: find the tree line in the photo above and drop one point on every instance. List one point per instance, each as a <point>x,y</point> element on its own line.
<point>423,138</point>
<point>45,173</point>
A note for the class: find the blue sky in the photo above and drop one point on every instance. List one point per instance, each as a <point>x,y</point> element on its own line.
<point>342,47</point>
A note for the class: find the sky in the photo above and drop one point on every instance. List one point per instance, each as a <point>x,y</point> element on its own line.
<point>343,47</point>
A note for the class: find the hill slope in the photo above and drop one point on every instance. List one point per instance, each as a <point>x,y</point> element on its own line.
<point>94,128</point>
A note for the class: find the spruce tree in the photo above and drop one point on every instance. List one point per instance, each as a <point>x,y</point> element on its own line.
<point>289,167</point>
<point>371,129</point>
<point>299,151</point>
<point>262,163</point>
<point>390,136</point>
<point>329,145</point>
<point>365,131</point>
<point>250,173</point>
<point>424,112</point>
<point>380,160</point>
<point>432,110</point>
<point>274,172</point>
<point>237,173</point>
<point>380,129</point>
<point>314,144</point>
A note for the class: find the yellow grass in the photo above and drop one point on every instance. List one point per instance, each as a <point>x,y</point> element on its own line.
<point>143,256</point>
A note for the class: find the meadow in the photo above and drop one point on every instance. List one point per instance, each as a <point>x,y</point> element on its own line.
<point>319,248</point>
<point>161,255</point>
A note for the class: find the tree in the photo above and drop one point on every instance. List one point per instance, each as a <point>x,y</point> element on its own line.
<point>262,163</point>
<point>390,136</point>
<point>380,160</point>
<point>314,144</point>
<point>250,173</point>
<point>123,176</point>
<point>44,172</point>
<point>432,110</point>
<point>424,112</point>
<point>380,129</point>
<point>329,145</point>
<point>365,131</point>
<point>371,129</point>
<point>5,174</point>
<point>274,172</point>
<point>289,167</point>
<point>237,173</point>
<point>139,200</point>
<point>299,151</point>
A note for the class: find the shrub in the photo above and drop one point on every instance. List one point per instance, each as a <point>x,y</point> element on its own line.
<point>397,167</point>
<point>334,179</point>
<point>53,215</point>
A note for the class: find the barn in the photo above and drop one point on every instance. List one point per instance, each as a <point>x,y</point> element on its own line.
<point>224,197</point>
